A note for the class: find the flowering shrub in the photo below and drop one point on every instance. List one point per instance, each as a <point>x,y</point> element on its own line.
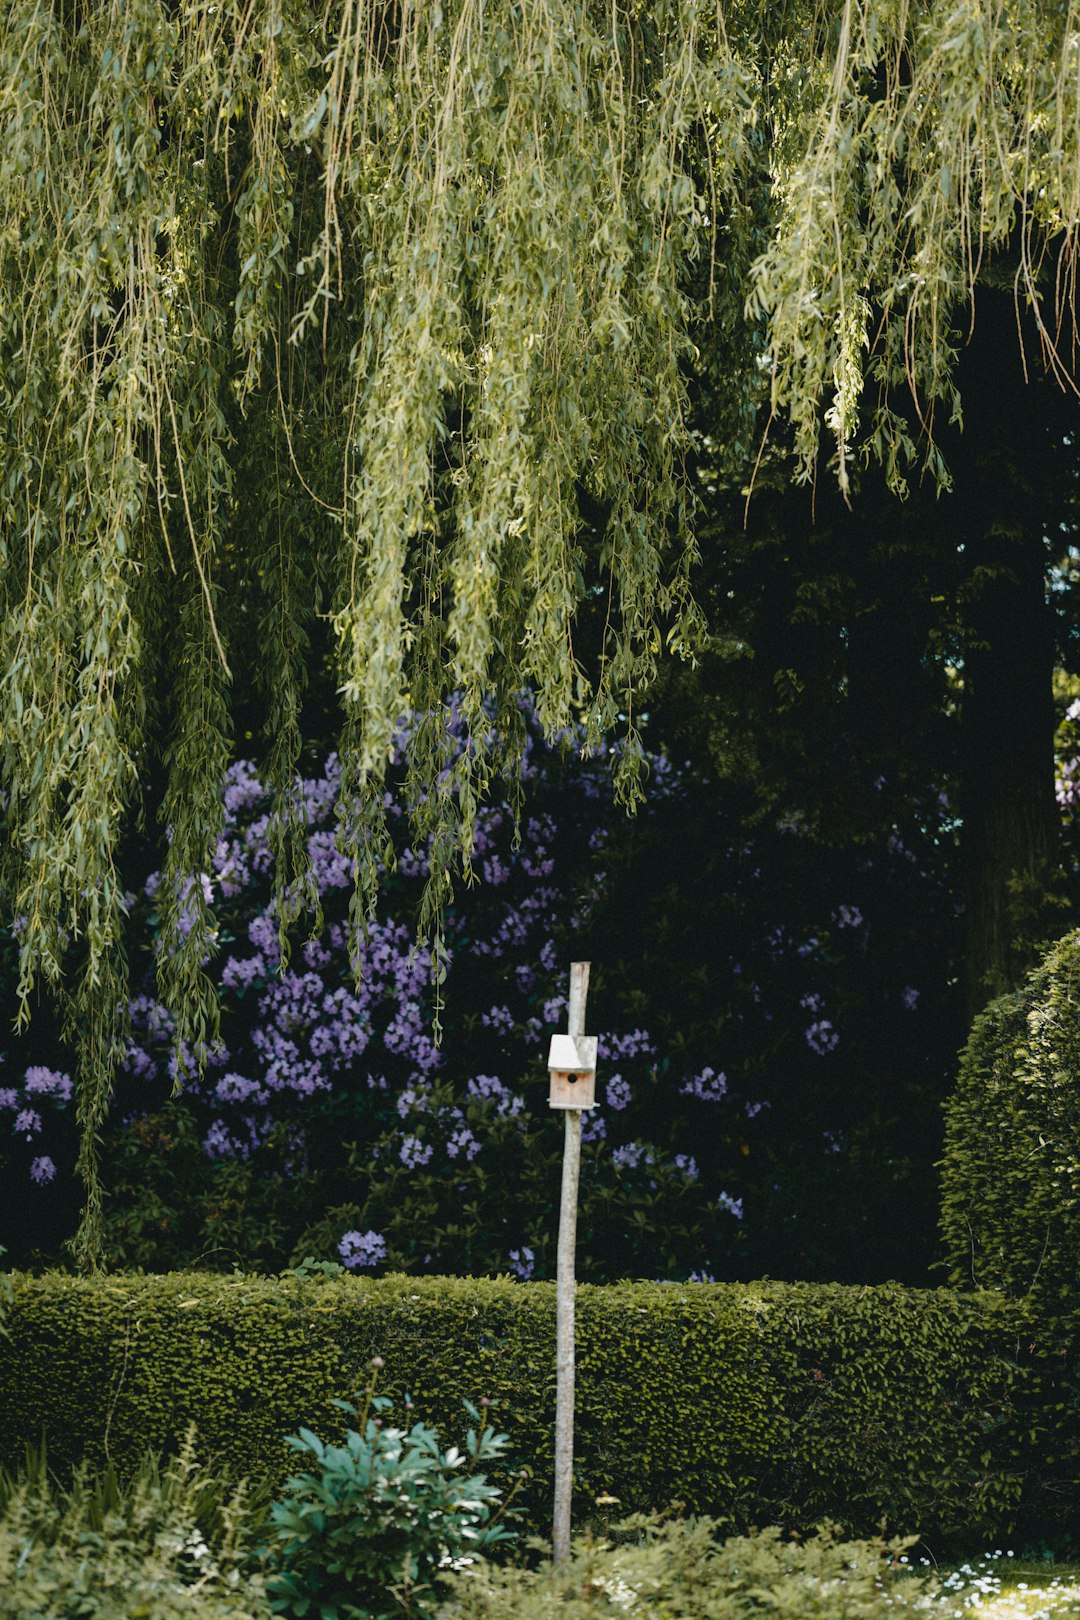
<point>738,1062</point>
<point>327,1121</point>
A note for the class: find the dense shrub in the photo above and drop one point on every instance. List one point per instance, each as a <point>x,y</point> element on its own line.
<point>690,1570</point>
<point>760,1403</point>
<point>328,1121</point>
<point>1011,1170</point>
<point>168,1545</point>
<point>753,1117</point>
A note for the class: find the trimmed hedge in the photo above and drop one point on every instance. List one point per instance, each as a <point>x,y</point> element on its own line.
<point>757,1403</point>
<point>1011,1169</point>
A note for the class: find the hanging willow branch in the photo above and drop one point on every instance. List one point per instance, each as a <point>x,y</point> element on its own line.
<point>358,311</point>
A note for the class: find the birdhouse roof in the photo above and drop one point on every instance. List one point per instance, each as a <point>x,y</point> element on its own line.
<point>575,1054</point>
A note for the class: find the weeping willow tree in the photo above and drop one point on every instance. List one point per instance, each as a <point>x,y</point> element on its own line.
<point>383,313</point>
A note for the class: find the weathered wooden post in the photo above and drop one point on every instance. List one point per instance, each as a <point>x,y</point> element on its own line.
<point>572,1068</point>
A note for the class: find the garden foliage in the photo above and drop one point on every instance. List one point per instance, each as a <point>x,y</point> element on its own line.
<point>169,1543</point>
<point>693,1570</point>
<point>179,1548</point>
<point>367,1534</point>
<point>1011,1171</point>
<point>328,1122</point>
<point>761,1403</point>
<point>383,319</point>
<point>753,1118</point>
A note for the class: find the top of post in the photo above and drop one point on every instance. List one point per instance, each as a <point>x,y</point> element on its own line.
<point>579,989</point>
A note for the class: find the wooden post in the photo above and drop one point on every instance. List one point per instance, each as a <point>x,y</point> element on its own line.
<point>564,1291</point>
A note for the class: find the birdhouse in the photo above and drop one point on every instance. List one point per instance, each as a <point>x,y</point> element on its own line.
<point>572,1067</point>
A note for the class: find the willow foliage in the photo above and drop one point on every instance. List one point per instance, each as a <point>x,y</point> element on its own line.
<point>384,311</point>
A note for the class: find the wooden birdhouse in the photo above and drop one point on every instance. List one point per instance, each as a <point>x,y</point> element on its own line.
<point>572,1067</point>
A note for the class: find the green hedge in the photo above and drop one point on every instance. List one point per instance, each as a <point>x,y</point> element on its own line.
<point>1011,1168</point>
<point>756,1402</point>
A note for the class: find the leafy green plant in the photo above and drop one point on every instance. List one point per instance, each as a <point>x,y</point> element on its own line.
<point>172,1541</point>
<point>368,1534</point>
<point>310,1267</point>
<point>687,1568</point>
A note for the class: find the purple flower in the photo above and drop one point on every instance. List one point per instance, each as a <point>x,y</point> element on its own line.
<point>688,1166</point>
<point>361,1249</point>
<point>733,1206</point>
<point>896,846</point>
<point>414,1152</point>
<point>462,1141</point>
<point>636,1043</point>
<point>47,1082</point>
<point>821,1037</point>
<point>140,1063</point>
<point>415,1099</point>
<point>847,917</point>
<point>594,1126</point>
<point>488,1088</point>
<point>498,1019</point>
<point>632,1154</point>
<point>9,1097</point>
<point>316,954</point>
<point>236,1088</point>
<point>329,865</point>
<point>910,997</point>
<point>27,1122</point>
<point>485,1086</point>
<point>708,1086</point>
<point>263,934</point>
<point>410,864</point>
<point>242,788</point>
<point>240,971</point>
<point>495,872</point>
<point>293,1001</point>
<point>219,1144</point>
<point>617,1092</point>
<point>151,1016</point>
<point>42,1169</point>
<point>522,1263</point>
<point>344,1035</point>
<point>231,868</point>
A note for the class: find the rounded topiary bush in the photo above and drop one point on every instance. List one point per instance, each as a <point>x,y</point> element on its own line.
<point>1011,1169</point>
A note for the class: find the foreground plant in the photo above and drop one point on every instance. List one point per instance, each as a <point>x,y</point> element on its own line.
<point>385,1514</point>
<point>686,1568</point>
<point>172,1542</point>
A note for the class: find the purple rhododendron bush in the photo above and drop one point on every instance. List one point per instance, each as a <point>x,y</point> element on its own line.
<point>328,1120</point>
